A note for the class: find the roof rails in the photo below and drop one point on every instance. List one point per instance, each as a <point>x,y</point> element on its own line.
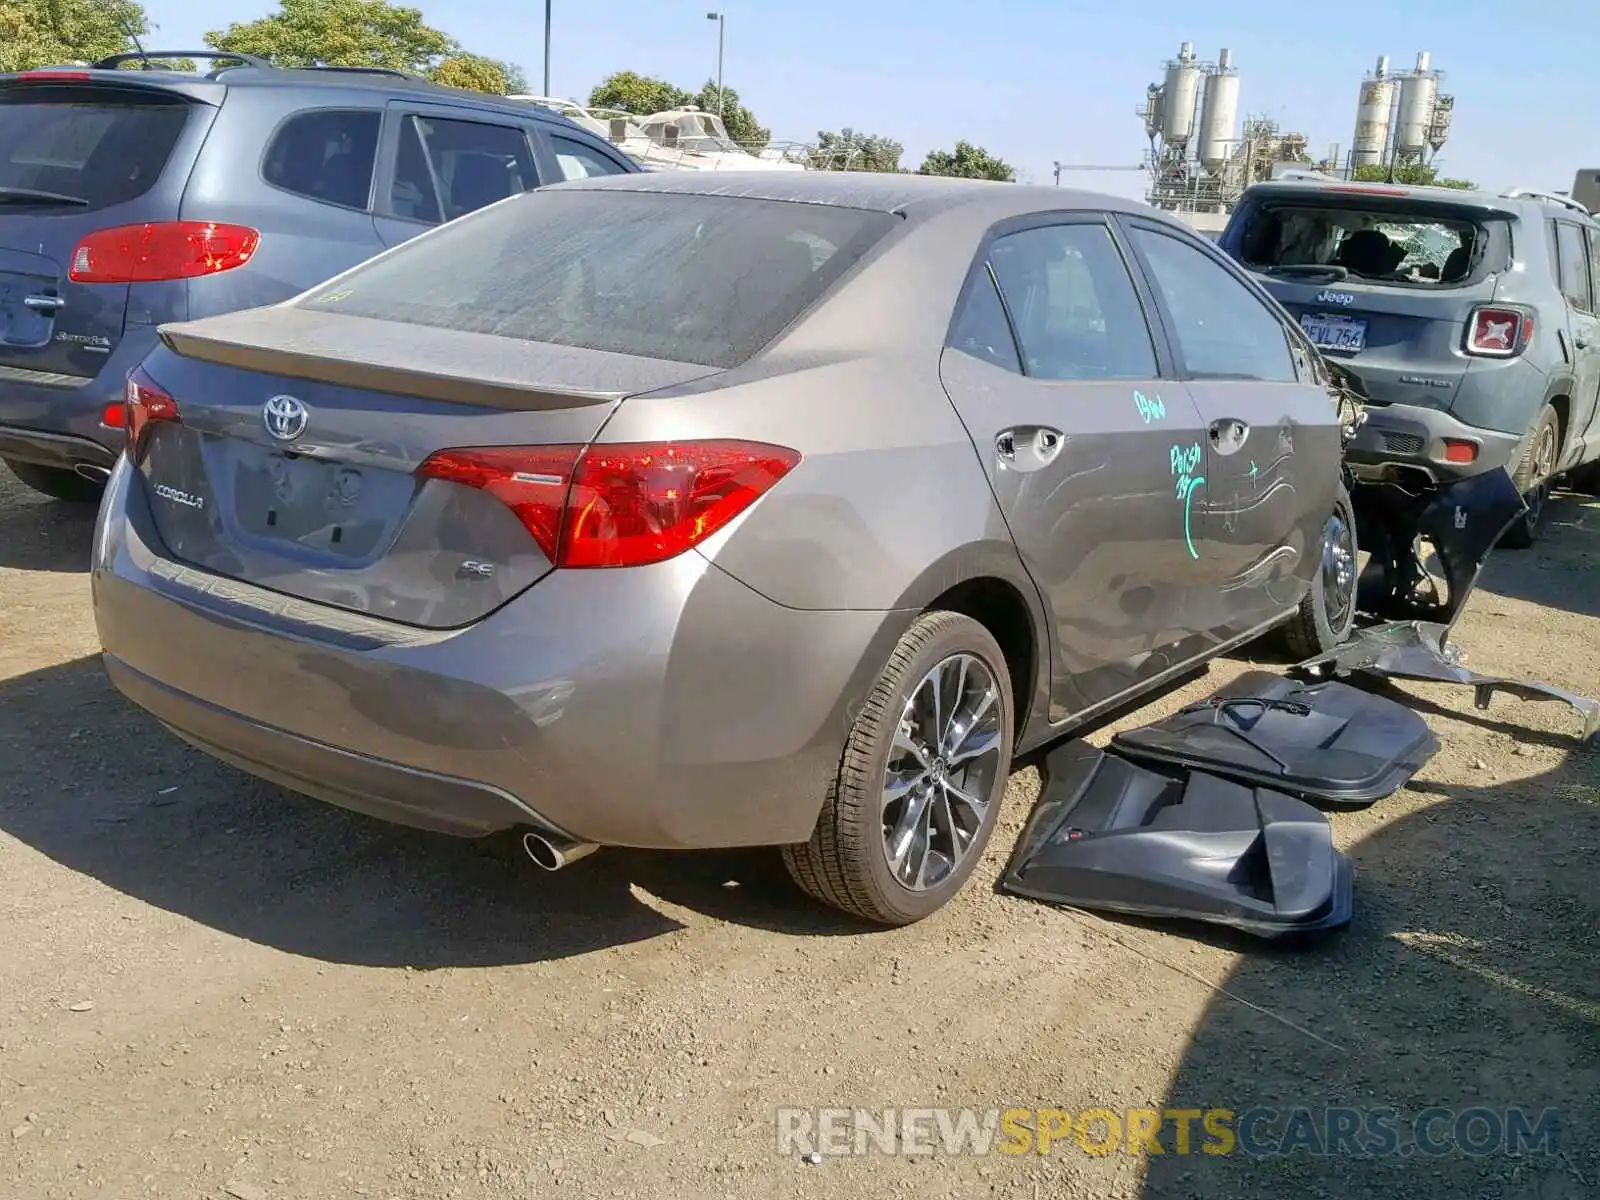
<point>112,62</point>
<point>1546,197</point>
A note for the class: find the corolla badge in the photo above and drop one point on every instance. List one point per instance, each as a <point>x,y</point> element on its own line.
<point>285,418</point>
<point>1344,299</point>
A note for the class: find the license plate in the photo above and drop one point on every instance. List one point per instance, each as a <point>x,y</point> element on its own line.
<point>1330,332</point>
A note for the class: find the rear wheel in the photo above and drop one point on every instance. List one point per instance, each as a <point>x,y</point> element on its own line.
<point>59,484</point>
<point>919,786</point>
<point>1533,478</point>
<point>1328,612</point>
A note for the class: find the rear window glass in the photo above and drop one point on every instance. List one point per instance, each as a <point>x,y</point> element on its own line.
<point>1422,248</point>
<point>85,146</point>
<point>699,279</point>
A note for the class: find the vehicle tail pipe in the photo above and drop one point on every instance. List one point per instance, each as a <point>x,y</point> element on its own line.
<point>550,852</point>
<point>91,471</point>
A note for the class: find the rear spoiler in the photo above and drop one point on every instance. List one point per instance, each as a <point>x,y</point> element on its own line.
<point>1380,197</point>
<point>451,365</point>
<point>202,88</point>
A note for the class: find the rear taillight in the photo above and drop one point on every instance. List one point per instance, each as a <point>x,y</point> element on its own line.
<point>623,505</point>
<point>162,250</point>
<point>144,403</point>
<point>1498,332</point>
<point>1459,450</point>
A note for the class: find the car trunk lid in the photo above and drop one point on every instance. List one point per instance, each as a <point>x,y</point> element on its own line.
<point>294,464</point>
<point>1383,280</point>
<point>80,152</point>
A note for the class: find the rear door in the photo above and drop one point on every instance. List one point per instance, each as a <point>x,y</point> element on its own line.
<point>80,155</point>
<point>1272,441</point>
<point>1088,443</point>
<point>441,163</point>
<point>1574,263</point>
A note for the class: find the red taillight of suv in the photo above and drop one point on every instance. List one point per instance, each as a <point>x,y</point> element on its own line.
<point>162,250</point>
<point>623,505</point>
<point>1498,332</point>
<point>144,403</point>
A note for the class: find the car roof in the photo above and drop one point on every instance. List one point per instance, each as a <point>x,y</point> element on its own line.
<point>912,196</point>
<point>1487,201</point>
<point>374,81</point>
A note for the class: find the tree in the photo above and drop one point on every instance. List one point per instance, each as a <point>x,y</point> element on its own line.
<point>1413,175</point>
<point>475,73</point>
<point>339,33</point>
<point>848,150</point>
<point>43,33</point>
<point>638,94</point>
<point>967,162</point>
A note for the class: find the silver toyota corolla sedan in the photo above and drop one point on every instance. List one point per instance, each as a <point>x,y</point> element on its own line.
<point>686,510</point>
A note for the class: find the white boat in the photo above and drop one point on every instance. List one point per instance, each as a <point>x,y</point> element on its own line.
<point>682,139</point>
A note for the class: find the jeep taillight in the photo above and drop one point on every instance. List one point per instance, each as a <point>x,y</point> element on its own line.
<point>1499,332</point>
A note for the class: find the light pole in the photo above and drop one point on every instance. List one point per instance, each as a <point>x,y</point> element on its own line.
<point>721,20</point>
<point>547,4</point>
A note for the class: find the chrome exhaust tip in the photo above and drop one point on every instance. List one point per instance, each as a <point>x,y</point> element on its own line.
<point>91,471</point>
<point>552,853</point>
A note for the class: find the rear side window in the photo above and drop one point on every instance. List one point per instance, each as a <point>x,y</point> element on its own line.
<point>1073,304</point>
<point>85,148</point>
<point>1419,248</point>
<point>456,167</point>
<point>690,278</point>
<point>326,155</point>
<point>1573,257</point>
<point>980,327</point>
<point>1222,328</point>
<point>582,162</point>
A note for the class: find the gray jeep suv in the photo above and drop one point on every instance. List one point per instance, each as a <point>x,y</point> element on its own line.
<point>130,198</point>
<point>1469,320</point>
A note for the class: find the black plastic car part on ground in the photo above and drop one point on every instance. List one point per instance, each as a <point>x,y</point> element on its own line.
<point>1463,523</point>
<point>1327,743</point>
<point>1109,834</point>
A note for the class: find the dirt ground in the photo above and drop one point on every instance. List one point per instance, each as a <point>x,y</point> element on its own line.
<point>209,987</point>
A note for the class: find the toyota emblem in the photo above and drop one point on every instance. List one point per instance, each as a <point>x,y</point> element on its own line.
<point>285,418</point>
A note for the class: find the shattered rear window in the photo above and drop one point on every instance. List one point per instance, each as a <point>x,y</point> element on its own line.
<point>1425,248</point>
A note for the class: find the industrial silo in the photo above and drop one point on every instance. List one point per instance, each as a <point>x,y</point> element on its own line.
<point>1373,113</point>
<point>1219,111</point>
<point>1179,95</point>
<point>1417,92</point>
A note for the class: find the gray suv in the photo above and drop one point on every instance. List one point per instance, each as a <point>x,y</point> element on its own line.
<point>1469,320</point>
<point>129,198</point>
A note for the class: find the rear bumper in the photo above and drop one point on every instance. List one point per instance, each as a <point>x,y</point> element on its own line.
<point>1402,436</point>
<point>54,421</point>
<point>666,707</point>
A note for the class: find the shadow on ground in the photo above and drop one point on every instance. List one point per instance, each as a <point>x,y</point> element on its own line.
<point>1560,569</point>
<point>103,789</point>
<point>1470,979</point>
<point>41,534</point>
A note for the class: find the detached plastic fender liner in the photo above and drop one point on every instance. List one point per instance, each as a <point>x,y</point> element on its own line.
<point>1327,743</point>
<point>1108,834</point>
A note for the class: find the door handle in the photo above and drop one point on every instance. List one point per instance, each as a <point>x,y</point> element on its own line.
<point>1228,435</point>
<point>44,304</point>
<point>1028,447</point>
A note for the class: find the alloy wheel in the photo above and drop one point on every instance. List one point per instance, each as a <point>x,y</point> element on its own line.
<point>941,771</point>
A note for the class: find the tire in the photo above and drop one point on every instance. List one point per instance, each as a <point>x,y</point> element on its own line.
<point>1328,612</point>
<point>57,483</point>
<point>847,863</point>
<point>1532,477</point>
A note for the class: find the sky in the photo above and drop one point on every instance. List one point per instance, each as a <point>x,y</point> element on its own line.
<point>1037,82</point>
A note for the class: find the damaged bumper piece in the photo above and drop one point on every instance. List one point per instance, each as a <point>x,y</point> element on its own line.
<point>1462,523</point>
<point>1109,834</point>
<point>1205,815</point>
